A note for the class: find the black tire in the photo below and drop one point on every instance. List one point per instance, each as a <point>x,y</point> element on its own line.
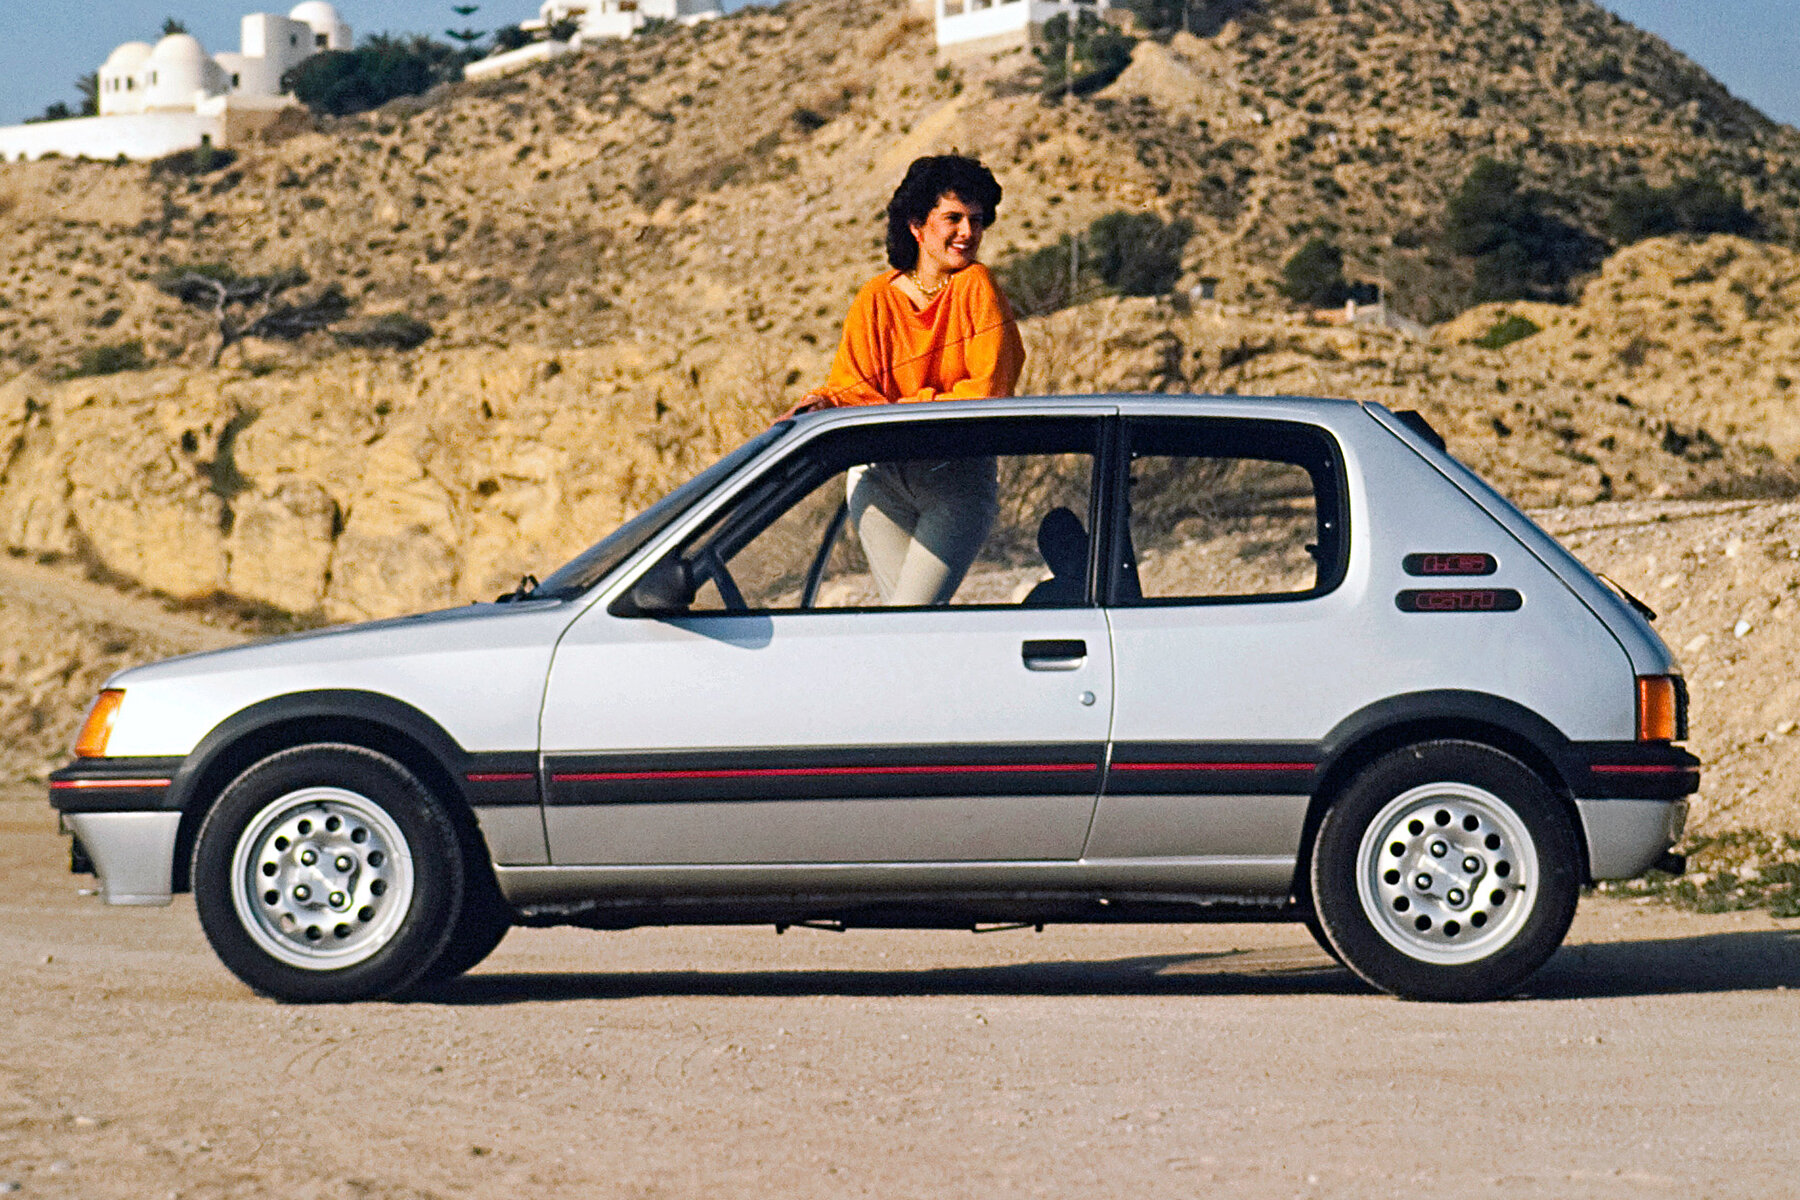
<point>329,873</point>
<point>1447,870</point>
<point>485,920</point>
<point>1311,921</point>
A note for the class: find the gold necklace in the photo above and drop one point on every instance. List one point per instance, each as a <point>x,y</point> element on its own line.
<point>929,293</point>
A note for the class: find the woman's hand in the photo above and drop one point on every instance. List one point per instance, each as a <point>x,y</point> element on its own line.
<point>811,402</point>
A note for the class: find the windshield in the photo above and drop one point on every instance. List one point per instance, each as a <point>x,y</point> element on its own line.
<point>591,565</point>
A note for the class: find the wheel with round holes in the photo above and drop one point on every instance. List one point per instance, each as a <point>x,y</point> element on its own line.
<point>1446,870</point>
<point>328,873</point>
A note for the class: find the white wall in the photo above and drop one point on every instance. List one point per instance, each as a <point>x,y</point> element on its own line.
<point>140,136</point>
<point>281,44</point>
<point>513,60</point>
<point>976,20</point>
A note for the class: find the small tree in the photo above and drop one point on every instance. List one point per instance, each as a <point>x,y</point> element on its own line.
<point>89,88</point>
<point>1136,254</point>
<point>563,30</point>
<point>1314,276</point>
<point>245,306</point>
<point>341,82</point>
<point>1129,254</point>
<point>1163,17</point>
<point>55,111</point>
<point>510,37</point>
<point>1520,250</point>
<point>1700,204</point>
<point>1084,59</point>
<point>466,37</point>
<point>172,26</point>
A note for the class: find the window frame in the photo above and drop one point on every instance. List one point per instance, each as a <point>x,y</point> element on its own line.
<point>789,480</point>
<point>1324,465</point>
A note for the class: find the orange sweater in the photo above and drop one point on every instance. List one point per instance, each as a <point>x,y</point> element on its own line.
<point>964,345</point>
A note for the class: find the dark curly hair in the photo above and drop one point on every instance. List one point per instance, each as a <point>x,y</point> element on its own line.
<point>927,181</point>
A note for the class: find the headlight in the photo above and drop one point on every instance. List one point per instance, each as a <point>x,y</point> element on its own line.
<point>91,741</point>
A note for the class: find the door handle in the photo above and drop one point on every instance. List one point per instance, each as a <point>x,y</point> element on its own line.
<point>1055,654</point>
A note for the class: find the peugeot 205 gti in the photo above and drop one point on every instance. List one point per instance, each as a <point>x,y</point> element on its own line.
<point>1213,659</point>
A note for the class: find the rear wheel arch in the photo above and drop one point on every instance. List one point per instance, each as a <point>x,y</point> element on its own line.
<point>1365,737</point>
<point>368,720</point>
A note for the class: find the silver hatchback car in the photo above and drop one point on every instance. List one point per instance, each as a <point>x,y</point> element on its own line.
<point>1189,659</point>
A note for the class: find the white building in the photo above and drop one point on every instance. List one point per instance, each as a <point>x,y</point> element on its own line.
<point>593,20</point>
<point>155,100</point>
<point>984,26</point>
<point>622,18</point>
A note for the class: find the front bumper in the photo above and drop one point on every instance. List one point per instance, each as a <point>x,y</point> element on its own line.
<point>117,810</point>
<point>133,853</point>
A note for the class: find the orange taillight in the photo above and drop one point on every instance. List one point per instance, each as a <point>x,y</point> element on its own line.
<point>91,742</point>
<point>1658,709</point>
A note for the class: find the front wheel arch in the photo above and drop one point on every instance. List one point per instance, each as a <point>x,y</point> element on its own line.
<point>372,722</point>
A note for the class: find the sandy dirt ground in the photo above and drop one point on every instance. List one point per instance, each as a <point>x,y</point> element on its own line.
<point>1654,1056</point>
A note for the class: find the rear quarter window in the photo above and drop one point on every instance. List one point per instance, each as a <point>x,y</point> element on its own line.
<point>1219,511</point>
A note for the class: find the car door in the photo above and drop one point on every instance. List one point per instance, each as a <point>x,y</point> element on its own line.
<point>784,714</point>
<point>1229,545</point>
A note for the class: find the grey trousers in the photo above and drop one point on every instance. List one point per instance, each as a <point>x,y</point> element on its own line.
<point>922,523</point>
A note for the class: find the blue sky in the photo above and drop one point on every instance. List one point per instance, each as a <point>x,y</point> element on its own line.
<point>1752,45</point>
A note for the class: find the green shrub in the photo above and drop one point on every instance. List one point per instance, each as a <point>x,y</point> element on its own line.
<point>394,331</point>
<point>1694,205</point>
<point>1314,276</point>
<point>1520,249</point>
<point>1135,254</point>
<point>201,160</point>
<point>1128,254</point>
<point>383,68</point>
<point>510,37</point>
<point>1084,61</point>
<point>1508,329</point>
<point>110,359</point>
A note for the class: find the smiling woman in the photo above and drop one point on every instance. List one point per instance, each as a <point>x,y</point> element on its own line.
<point>935,327</point>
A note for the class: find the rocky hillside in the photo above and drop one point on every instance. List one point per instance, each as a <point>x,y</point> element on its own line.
<point>721,186</point>
<point>633,257</point>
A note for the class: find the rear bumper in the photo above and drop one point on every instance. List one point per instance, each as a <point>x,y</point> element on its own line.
<point>1625,838</point>
<point>1632,771</point>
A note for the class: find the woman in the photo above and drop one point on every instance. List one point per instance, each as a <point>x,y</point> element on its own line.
<point>935,327</point>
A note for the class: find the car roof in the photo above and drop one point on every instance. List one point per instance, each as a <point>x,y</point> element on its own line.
<point>1133,403</point>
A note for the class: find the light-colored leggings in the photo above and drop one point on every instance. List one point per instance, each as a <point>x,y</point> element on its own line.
<point>922,523</point>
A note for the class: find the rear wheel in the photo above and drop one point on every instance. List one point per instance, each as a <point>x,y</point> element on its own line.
<point>328,873</point>
<point>1446,871</point>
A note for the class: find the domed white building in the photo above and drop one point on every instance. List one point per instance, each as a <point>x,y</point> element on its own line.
<point>119,79</point>
<point>180,75</point>
<point>155,100</point>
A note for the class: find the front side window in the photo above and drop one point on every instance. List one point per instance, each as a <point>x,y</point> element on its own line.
<point>939,513</point>
<point>1218,510</point>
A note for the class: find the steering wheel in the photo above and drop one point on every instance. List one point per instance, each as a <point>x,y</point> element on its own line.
<point>711,566</point>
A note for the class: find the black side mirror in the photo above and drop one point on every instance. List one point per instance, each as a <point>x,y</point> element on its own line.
<point>665,590</point>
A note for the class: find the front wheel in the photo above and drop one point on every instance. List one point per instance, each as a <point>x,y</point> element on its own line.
<point>1446,870</point>
<point>328,873</point>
